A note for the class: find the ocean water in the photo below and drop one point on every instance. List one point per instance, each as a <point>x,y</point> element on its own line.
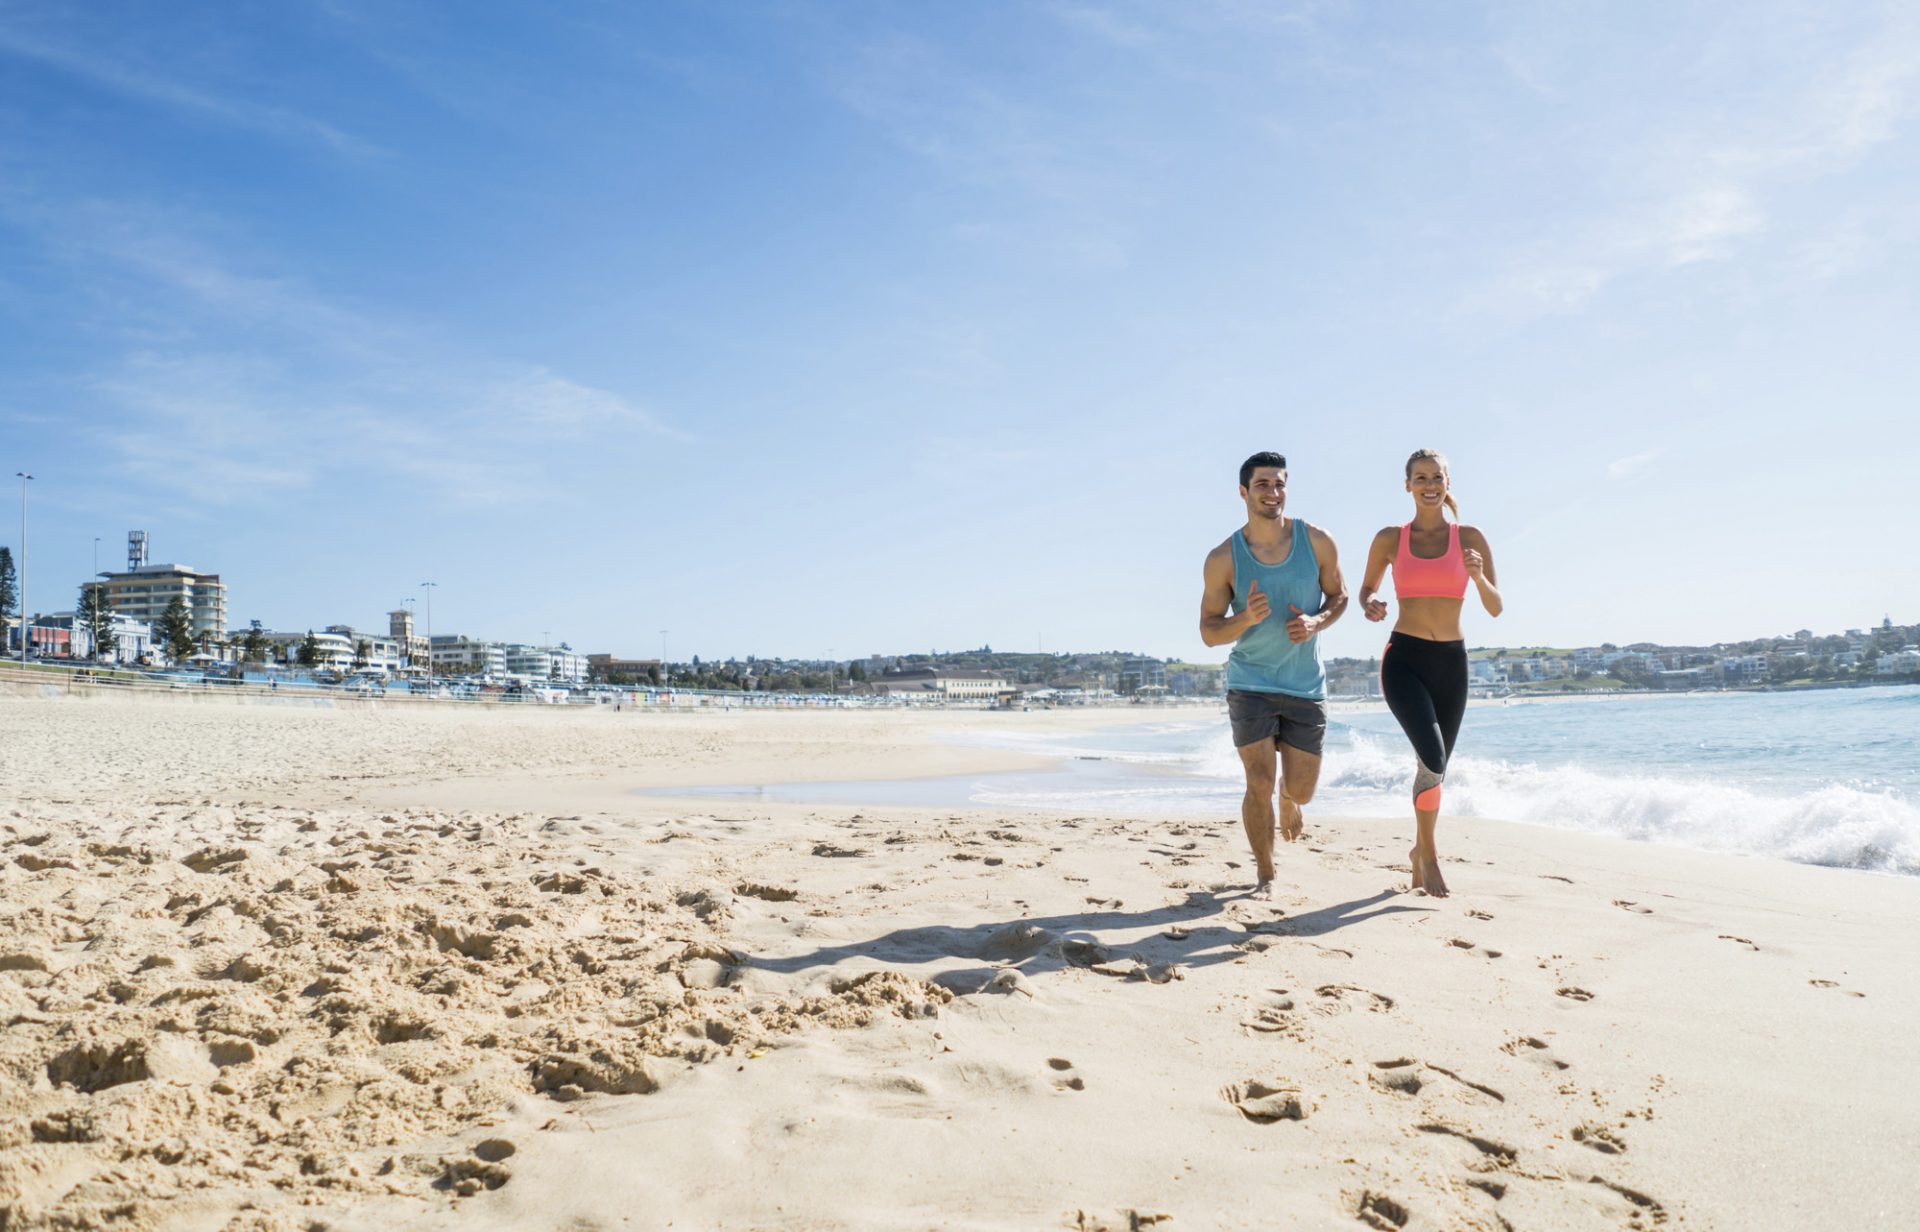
<point>1826,777</point>
<point>1823,777</point>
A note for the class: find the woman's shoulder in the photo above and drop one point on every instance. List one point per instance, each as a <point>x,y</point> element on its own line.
<point>1471,534</point>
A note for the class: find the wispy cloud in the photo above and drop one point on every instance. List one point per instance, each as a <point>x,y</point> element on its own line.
<point>144,85</point>
<point>1620,468</point>
<point>1705,181</point>
<point>264,383</point>
<point>1106,24</point>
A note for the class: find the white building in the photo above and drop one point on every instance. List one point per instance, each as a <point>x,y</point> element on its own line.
<point>937,684</point>
<point>560,664</point>
<point>145,591</point>
<point>456,653</point>
<point>1902,662</point>
<point>332,651</point>
<point>132,639</point>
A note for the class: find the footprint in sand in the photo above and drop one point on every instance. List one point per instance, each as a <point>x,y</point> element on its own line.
<point>486,1168</point>
<point>1468,1083</point>
<point>1477,914</point>
<point>1528,1048</point>
<point>766,893</point>
<point>1627,904</point>
<point>1497,1151</point>
<point>1461,943</point>
<point>1264,1102</point>
<point>1738,941</point>
<point>1381,1212</point>
<point>1555,877</point>
<point>1400,1075</point>
<point>1835,984</point>
<point>1065,1078</point>
<point>1339,998</point>
<point>1599,1137</point>
<point>1271,1012</point>
<point>1573,994</point>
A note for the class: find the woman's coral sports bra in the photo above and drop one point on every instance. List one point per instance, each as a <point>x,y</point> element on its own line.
<point>1440,577</point>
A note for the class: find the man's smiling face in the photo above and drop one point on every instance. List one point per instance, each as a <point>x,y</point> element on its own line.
<point>1265,492</point>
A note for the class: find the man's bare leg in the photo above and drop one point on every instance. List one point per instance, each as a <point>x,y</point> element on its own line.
<point>1256,810</point>
<point>1300,775</point>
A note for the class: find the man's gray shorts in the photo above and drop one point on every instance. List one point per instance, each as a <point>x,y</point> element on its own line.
<point>1281,717</point>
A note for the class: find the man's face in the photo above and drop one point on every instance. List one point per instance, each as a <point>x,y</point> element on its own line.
<point>1265,492</point>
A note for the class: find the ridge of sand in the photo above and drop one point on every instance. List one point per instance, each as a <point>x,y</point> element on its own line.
<point>350,970</point>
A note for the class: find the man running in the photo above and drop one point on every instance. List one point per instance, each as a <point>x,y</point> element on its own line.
<point>1270,589</point>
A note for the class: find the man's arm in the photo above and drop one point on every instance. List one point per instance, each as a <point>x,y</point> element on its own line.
<point>1217,628</point>
<point>1333,589</point>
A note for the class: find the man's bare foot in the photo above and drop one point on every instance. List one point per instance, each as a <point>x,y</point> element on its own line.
<point>1263,891</point>
<point>1292,820</point>
<point>1426,873</point>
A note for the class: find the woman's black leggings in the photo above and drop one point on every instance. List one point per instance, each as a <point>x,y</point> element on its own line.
<point>1425,684</point>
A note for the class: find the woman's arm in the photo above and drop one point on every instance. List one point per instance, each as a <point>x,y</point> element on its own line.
<point>1479,558</point>
<point>1379,556</point>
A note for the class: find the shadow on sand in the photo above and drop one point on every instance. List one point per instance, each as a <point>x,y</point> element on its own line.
<point>1197,932</point>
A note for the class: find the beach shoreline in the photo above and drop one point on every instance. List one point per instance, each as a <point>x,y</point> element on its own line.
<point>374,969</point>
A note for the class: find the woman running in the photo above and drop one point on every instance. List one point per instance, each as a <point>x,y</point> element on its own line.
<point>1423,670</point>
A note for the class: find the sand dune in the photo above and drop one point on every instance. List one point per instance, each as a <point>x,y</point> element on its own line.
<point>288,969</point>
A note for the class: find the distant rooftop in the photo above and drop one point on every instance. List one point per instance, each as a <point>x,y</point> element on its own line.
<point>157,569</point>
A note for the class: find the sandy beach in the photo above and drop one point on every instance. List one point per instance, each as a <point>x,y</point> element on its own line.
<point>276,967</point>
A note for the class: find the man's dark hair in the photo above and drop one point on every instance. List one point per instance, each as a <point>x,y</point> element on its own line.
<point>1265,457</point>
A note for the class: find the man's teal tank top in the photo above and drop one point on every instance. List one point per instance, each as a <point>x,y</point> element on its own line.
<point>1263,660</point>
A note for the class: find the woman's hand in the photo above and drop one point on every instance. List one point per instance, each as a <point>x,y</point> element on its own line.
<point>1476,564</point>
<point>1376,609</point>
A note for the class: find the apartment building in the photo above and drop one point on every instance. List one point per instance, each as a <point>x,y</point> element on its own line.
<point>144,593</point>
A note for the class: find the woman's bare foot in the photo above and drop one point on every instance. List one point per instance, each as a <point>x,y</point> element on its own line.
<point>1264,891</point>
<point>1426,873</point>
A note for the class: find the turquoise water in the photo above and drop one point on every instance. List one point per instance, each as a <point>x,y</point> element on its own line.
<point>1827,777</point>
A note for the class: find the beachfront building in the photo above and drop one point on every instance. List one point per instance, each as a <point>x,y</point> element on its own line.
<point>132,639</point>
<point>560,664</point>
<point>1143,676</point>
<point>372,652</point>
<point>333,649</point>
<point>413,647</point>
<point>457,654</point>
<point>1196,680</point>
<point>609,667</point>
<point>939,684</point>
<point>145,592</point>
<point>1902,662</point>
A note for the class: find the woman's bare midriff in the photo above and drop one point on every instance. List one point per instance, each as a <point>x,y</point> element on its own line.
<point>1436,619</point>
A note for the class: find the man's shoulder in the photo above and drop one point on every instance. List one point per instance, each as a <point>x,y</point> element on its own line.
<point>1223,549</point>
<point>1316,533</point>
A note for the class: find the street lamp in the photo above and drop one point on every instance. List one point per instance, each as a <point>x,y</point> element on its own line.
<point>24,630</point>
<point>425,586</point>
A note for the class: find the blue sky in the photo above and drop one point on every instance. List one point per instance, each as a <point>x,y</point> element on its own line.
<point>854,328</point>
